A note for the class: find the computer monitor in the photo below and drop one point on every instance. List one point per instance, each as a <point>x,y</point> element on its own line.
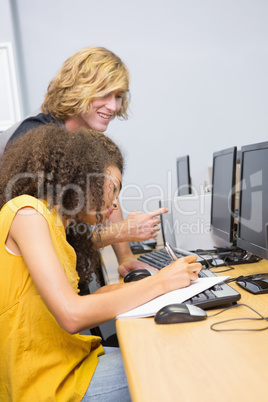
<point>223,193</point>
<point>183,175</point>
<point>253,203</point>
<point>266,241</point>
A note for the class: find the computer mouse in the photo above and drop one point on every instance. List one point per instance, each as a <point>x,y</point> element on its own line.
<point>256,284</point>
<point>140,248</point>
<point>177,313</point>
<point>136,275</point>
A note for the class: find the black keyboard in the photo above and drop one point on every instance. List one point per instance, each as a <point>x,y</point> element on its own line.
<point>217,296</point>
<point>160,258</point>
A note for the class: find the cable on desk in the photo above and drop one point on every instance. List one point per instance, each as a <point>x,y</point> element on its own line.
<point>230,268</point>
<point>238,319</point>
<point>202,258</point>
<point>248,278</point>
<point>238,278</point>
<point>215,261</point>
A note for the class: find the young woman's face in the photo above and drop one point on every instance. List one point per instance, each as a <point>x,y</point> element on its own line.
<point>111,191</point>
<point>102,111</point>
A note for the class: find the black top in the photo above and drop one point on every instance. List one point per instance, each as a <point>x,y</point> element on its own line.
<point>31,122</point>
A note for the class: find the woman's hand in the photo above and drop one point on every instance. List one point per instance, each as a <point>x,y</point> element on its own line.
<point>179,274</point>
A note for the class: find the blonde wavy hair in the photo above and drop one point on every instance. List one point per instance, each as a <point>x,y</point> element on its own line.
<point>89,74</point>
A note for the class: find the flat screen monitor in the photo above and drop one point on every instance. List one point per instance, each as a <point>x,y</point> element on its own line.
<point>223,193</point>
<point>253,204</point>
<point>183,176</point>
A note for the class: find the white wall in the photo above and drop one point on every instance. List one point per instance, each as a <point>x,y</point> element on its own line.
<point>198,76</point>
<point>8,35</point>
<point>6,26</point>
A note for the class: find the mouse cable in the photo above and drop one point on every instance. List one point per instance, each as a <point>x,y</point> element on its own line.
<point>202,257</point>
<point>209,266</point>
<point>244,277</point>
<point>230,268</point>
<point>238,278</point>
<point>260,318</point>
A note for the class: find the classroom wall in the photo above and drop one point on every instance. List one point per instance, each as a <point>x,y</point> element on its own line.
<point>198,77</point>
<point>6,26</point>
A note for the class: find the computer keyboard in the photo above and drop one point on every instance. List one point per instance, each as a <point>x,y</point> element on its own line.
<point>160,258</point>
<point>217,296</point>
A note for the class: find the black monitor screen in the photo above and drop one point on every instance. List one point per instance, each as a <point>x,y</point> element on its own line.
<point>183,175</point>
<point>223,193</point>
<point>253,205</point>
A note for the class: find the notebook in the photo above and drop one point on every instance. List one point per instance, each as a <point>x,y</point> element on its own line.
<point>150,308</point>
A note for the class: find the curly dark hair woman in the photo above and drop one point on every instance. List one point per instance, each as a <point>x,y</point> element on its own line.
<point>66,169</point>
<point>51,178</point>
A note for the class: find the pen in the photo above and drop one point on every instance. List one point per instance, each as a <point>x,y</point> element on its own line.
<point>170,252</point>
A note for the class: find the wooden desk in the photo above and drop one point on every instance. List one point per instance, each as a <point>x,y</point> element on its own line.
<point>190,362</point>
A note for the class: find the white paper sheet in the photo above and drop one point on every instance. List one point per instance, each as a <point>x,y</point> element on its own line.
<point>176,296</point>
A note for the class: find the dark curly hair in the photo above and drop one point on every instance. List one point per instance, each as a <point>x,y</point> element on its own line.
<point>67,169</point>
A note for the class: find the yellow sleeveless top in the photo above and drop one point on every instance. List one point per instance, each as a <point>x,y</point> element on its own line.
<point>39,361</point>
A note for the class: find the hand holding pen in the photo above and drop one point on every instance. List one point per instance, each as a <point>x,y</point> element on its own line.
<point>174,257</point>
<point>171,252</point>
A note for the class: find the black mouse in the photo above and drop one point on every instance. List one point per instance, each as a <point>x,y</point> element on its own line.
<point>176,313</point>
<point>139,247</point>
<point>136,275</point>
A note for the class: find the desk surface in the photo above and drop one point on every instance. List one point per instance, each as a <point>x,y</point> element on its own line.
<point>189,362</point>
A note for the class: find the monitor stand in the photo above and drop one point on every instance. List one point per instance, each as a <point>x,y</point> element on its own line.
<point>231,256</point>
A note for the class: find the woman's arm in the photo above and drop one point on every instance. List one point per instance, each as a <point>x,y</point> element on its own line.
<point>74,313</point>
